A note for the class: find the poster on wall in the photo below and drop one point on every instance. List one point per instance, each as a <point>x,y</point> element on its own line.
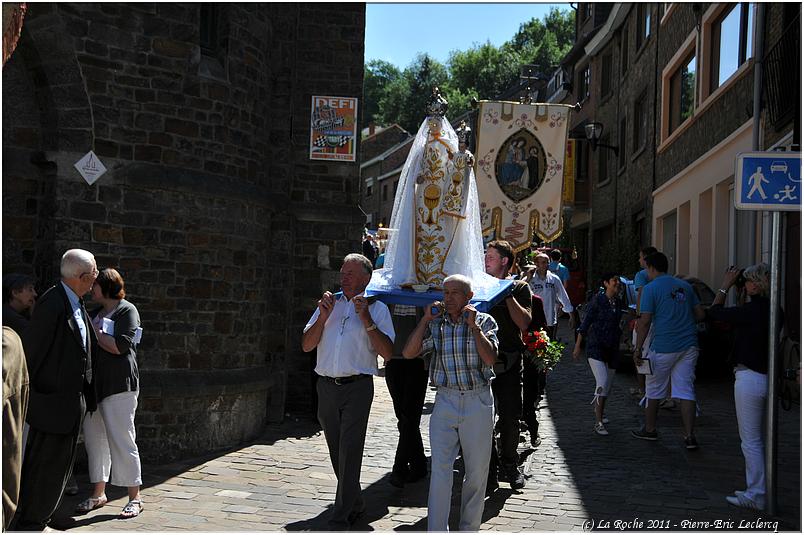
<point>333,129</point>
<point>521,153</point>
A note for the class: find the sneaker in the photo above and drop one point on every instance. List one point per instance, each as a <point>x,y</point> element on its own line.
<point>740,500</point>
<point>535,441</point>
<point>690,443</point>
<point>514,477</point>
<point>645,435</point>
<point>605,419</point>
<point>600,429</point>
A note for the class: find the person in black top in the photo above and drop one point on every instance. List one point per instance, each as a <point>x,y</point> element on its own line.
<point>109,433</point>
<point>513,315</point>
<point>601,325</point>
<point>751,324</point>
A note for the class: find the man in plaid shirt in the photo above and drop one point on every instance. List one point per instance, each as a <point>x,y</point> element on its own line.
<point>464,345</point>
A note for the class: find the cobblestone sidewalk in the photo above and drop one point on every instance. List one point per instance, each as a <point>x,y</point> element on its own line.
<point>576,479</point>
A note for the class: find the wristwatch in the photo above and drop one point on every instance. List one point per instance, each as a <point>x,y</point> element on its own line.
<point>372,327</point>
<point>724,292</point>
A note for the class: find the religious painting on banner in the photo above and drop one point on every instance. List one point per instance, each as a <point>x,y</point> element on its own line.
<point>333,129</point>
<point>520,170</point>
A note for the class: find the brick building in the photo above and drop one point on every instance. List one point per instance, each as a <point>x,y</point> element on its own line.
<point>382,156</point>
<point>224,230</point>
<point>673,86</point>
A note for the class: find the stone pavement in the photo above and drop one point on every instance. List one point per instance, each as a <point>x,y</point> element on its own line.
<point>576,479</point>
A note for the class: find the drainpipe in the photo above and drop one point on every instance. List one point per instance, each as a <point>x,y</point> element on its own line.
<point>759,53</point>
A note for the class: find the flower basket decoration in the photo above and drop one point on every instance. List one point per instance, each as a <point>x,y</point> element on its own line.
<point>542,351</point>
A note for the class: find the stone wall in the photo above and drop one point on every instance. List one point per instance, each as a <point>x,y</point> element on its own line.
<point>210,208</point>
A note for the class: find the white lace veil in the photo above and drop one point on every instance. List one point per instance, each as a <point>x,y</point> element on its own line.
<point>466,255</point>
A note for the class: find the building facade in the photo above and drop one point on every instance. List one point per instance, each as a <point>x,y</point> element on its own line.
<point>224,230</point>
<point>673,86</point>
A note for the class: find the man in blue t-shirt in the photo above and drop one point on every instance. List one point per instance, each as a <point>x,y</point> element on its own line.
<point>640,281</point>
<point>558,268</point>
<point>670,304</point>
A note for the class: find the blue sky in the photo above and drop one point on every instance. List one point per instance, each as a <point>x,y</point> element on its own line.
<point>397,32</point>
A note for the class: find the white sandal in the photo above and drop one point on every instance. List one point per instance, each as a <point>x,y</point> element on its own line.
<point>91,503</point>
<point>133,508</point>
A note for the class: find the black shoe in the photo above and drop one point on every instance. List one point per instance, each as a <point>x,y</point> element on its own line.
<point>514,477</point>
<point>354,516</point>
<point>645,435</point>
<point>397,479</point>
<point>416,475</point>
<point>491,486</point>
<point>535,441</point>
<point>690,443</point>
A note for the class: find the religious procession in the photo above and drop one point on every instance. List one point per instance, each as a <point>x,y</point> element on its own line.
<point>220,318</point>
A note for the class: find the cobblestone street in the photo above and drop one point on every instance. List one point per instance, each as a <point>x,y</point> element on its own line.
<point>576,479</point>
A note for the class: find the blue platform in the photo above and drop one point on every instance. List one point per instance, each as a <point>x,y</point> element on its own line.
<point>482,301</point>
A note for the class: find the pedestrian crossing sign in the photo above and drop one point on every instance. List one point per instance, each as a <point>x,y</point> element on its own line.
<point>768,181</point>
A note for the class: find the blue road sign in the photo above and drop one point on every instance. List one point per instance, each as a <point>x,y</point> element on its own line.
<point>768,181</point>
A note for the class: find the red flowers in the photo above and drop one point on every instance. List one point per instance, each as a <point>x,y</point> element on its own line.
<point>542,351</point>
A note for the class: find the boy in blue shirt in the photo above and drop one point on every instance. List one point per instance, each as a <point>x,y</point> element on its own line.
<point>673,308</point>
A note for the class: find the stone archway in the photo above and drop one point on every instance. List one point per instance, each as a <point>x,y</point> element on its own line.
<point>44,101</point>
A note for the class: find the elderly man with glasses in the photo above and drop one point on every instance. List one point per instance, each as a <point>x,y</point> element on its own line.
<point>58,344</point>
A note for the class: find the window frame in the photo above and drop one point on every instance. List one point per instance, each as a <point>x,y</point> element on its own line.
<point>671,125</point>
<point>690,45</point>
<point>603,175</point>
<point>606,85</point>
<point>584,83</point>
<point>643,33</point>
<point>622,135</point>
<point>639,124</point>
<point>624,50</point>
<point>711,43</point>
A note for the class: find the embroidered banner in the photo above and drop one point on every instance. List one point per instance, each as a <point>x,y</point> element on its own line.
<point>520,170</point>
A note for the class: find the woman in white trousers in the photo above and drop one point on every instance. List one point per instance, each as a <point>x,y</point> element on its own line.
<point>750,323</point>
<point>109,432</point>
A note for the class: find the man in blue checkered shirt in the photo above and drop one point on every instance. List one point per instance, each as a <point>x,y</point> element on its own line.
<point>464,345</point>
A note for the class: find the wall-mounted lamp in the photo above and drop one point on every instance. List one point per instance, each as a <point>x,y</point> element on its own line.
<point>593,132</point>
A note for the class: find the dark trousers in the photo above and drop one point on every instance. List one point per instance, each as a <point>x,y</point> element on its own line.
<point>343,411</point>
<point>533,381</point>
<point>508,405</point>
<point>407,384</point>
<point>46,468</point>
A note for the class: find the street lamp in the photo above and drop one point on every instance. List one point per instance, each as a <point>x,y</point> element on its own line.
<point>593,132</point>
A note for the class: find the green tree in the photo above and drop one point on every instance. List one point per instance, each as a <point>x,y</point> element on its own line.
<point>376,77</point>
<point>545,42</point>
<point>405,98</point>
<point>484,71</point>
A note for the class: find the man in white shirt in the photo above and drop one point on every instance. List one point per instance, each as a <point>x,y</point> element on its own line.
<point>549,287</point>
<point>349,333</point>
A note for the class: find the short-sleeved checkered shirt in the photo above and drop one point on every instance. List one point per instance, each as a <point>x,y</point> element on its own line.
<point>456,362</point>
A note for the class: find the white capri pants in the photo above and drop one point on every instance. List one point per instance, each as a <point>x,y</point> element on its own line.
<point>604,376</point>
<point>678,368</point>
<point>109,437</point>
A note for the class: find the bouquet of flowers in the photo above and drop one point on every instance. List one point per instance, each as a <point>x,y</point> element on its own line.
<point>542,351</point>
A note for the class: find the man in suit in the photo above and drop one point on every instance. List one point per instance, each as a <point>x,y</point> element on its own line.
<point>58,346</point>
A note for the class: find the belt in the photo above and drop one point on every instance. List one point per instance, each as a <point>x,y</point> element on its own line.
<point>345,380</point>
